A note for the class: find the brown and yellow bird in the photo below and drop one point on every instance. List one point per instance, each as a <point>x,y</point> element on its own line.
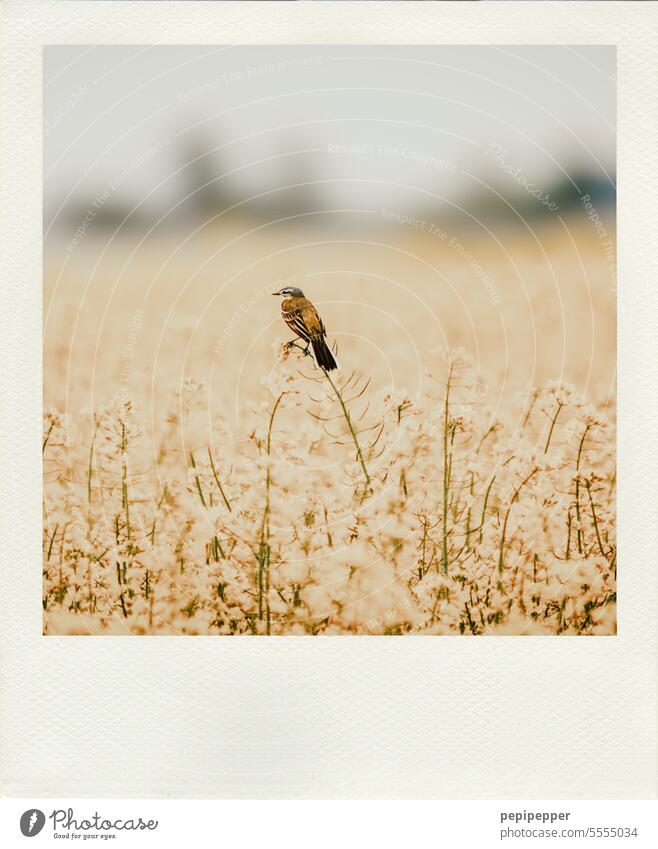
<point>302,317</point>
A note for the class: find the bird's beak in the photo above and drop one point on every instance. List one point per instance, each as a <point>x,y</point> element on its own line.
<point>276,293</point>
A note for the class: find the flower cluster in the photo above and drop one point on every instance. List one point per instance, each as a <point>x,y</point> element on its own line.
<point>334,510</point>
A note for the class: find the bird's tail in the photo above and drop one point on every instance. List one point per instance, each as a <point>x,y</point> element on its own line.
<point>323,355</point>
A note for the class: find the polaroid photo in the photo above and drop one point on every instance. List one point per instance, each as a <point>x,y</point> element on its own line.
<point>416,434</point>
<point>328,469</point>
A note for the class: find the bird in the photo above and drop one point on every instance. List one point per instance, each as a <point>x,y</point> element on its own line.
<point>303,319</point>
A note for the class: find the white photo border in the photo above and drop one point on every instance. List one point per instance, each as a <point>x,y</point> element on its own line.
<point>284,717</point>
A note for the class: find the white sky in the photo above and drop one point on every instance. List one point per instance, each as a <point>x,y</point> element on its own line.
<point>551,108</point>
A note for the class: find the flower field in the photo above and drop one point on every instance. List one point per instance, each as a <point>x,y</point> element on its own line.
<point>469,503</point>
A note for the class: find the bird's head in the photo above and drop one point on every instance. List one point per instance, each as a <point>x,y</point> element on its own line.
<point>290,292</point>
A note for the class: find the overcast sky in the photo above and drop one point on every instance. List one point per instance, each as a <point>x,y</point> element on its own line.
<point>364,121</point>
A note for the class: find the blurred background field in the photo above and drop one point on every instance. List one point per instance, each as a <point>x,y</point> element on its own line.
<point>423,199</point>
<point>141,324</point>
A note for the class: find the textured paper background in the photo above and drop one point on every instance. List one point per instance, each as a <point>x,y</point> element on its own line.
<point>381,717</point>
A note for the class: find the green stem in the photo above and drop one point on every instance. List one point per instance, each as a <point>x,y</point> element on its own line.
<point>552,427</point>
<point>217,481</point>
<point>346,414</point>
<point>596,524</point>
<point>501,562</point>
<point>264,553</point>
<point>90,470</point>
<point>579,533</point>
<point>484,506</point>
<point>124,493</point>
<point>446,475</point>
<point>52,542</point>
<point>47,437</point>
<point>196,480</point>
<point>535,394</point>
<point>468,515</point>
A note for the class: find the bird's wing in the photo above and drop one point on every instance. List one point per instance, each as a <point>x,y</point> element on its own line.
<point>312,320</point>
<point>296,324</point>
<point>293,317</point>
<point>302,318</point>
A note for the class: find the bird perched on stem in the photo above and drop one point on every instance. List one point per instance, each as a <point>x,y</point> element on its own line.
<point>302,317</point>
